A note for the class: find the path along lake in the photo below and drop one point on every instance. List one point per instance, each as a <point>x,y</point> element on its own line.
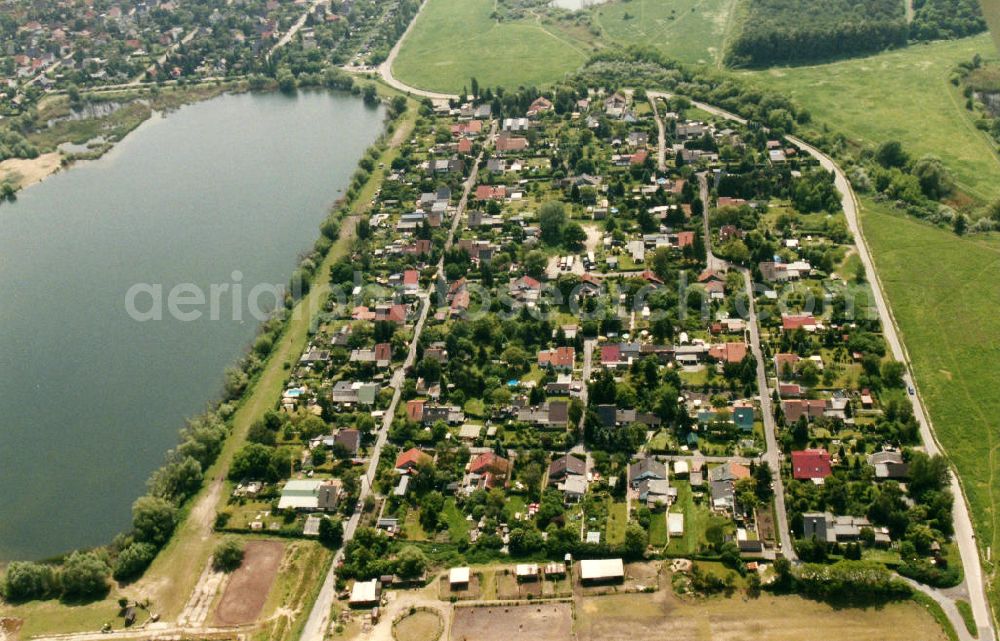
<point>90,399</point>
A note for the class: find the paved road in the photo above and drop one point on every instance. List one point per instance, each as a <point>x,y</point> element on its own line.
<point>964,533</point>
<point>772,453</point>
<point>319,617</point>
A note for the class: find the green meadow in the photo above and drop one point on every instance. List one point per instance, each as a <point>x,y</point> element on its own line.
<point>455,40</point>
<point>691,31</point>
<point>945,302</point>
<point>904,95</point>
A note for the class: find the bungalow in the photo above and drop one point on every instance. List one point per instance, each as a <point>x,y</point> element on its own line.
<point>310,495</point>
<point>353,392</point>
<point>539,106</point>
<point>349,439</point>
<point>487,471</point>
<point>811,465</point>
<point>464,147</point>
<point>470,129</point>
<point>447,413</point>
<point>574,488</point>
<point>564,385</point>
<point>773,272</point>
<point>408,461</point>
<point>566,466</point>
<point>491,192</point>
<point>646,469</point>
<point>611,356</point>
<point>833,529</point>
<point>791,322</point>
<point>411,281</point>
<point>743,417</point>
<point>525,289</point>
<point>784,365</point>
<point>551,414</point>
<point>515,124</point>
<point>507,143</point>
<point>561,358</point>
<point>654,492</point>
<point>795,409</point>
<point>889,464</point>
<point>728,352</point>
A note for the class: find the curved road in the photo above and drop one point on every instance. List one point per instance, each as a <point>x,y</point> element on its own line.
<point>385,69</point>
<point>964,534</point>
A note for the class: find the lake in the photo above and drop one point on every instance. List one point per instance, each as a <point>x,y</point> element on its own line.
<point>92,399</point>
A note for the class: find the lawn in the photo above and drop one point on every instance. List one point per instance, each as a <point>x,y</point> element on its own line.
<point>947,316</point>
<point>904,95</point>
<point>697,518</point>
<point>617,520</point>
<point>458,527</point>
<point>455,40</point>
<point>658,536</point>
<point>691,31</point>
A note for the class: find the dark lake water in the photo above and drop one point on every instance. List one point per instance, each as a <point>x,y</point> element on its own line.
<point>90,399</point>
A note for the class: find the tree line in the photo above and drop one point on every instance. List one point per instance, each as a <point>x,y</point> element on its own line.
<point>774,31</point>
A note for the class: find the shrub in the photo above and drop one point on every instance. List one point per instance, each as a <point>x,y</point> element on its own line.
<point>228,555</point>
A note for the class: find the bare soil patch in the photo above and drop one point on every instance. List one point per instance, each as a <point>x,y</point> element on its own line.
<point>247,589</point>
<point>537,622</point>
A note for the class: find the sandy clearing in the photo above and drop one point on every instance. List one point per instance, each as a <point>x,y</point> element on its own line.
<point>24,172</point>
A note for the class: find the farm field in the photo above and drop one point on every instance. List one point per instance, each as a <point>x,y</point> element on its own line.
<point>548,622</point>
<point>642,617</point>
<point>249,585</point>
<point>946,312</point>
<point>904,95</point>
<point>455,40</point>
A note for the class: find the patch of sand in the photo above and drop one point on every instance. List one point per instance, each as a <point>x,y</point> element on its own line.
<point>22,172</point>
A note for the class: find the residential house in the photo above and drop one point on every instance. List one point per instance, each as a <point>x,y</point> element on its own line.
<point>811,465</point>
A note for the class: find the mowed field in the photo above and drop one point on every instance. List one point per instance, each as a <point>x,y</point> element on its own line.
<point>904,95</point>
<point>455,40</point>
<point>944,295</point>
<point>653,617</point>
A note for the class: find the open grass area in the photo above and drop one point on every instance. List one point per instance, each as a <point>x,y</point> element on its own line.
<point>691,31</point>
<point>662,615</point>
<point>967,617</point>
<point>697,518</point>
<point>617,520</point>
<point>458,527</point>
<point>904,95</point>
<point>944,300</point>
<point>455,40</point>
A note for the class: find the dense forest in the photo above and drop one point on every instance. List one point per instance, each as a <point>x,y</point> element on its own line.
<point>775,31</point>
<point>945,19</point>
<point>793,31</point>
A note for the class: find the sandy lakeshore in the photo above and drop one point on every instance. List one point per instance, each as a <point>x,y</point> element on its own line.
<point>23,172</point>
